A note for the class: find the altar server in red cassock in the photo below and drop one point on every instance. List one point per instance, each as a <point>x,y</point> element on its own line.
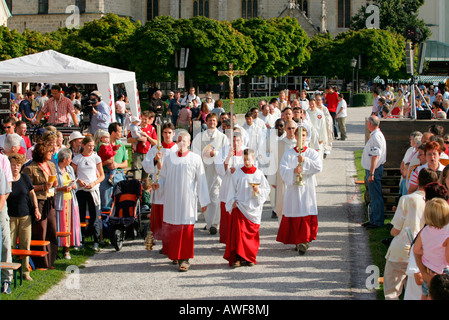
<point>299,223</point>
<point>248,191</point>
<point>152,165</point>
<point>232,161</point>
<point>183,183</point>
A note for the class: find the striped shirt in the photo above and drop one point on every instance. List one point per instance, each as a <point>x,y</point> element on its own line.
<point>60,112</point>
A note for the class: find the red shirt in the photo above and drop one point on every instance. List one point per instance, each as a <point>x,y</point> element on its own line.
<point>143,147</point>
<point>332,101</point>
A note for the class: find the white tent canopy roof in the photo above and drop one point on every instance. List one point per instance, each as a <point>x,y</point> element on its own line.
<point>54,67</point>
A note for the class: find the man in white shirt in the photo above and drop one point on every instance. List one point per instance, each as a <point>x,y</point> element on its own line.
<point>342,108</point>
<point>9,125</point>
<point>373,158</point>
<point>190,97</point>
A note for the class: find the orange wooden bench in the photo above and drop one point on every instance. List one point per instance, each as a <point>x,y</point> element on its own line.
<point>16,267</point>
<point>63,234</point>
<point>20,254</point>
<point>38,243</point>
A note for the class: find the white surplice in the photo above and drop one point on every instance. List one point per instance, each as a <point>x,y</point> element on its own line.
<point>150,168</point>
<point>225,175</point>
<point>241,191</point>
<point>300,201</point>
<point>183,183</point>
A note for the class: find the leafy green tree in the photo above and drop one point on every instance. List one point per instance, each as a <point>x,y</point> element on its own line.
<point>394,15</point>
<point>152,49</point>
<point>382,54</point>
<point>280,44</point>
<point>37,42</point>
<point>12,44</point>
<point>213,45</point>
<point>101,41</point>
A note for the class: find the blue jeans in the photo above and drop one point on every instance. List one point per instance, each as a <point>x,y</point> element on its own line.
<point>376,198</point>
<point>121,118</point>
<point>106,189</point>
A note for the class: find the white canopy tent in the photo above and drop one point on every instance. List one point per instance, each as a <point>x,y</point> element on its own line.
<point>54,67</point>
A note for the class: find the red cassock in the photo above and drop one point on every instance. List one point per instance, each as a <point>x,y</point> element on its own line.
<point>225,219</point>
<point>156,219</point>
<point>295,230</point>
<point>178,241</point>
<point>243,238</point>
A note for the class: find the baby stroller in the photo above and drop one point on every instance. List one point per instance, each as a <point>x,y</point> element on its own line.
<point>124,217</point>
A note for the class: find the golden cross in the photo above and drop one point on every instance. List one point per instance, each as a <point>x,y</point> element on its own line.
<point>231,74</point>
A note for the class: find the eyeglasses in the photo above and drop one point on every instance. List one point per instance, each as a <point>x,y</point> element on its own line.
<point>9,127</point>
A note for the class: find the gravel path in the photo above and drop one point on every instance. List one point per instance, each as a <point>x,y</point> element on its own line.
<point>334,268</point>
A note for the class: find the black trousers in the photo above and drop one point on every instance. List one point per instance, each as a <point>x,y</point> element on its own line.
<point>86,202</point>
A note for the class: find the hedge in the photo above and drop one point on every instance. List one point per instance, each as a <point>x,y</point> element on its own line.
<point>359,99</point>
<point>243,105</point>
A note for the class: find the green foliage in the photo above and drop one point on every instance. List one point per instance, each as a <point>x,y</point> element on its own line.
<point>151,54</point>
<point>12,44</point>
<point>101,41</point>
<point>213,45</point>
<point>382,53</point>
<point>280,44</point>
<point>394,15</point>
<point>241,106</point>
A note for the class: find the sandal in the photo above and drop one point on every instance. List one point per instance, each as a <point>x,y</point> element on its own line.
<point>184,266</point>
<point>236,264</point>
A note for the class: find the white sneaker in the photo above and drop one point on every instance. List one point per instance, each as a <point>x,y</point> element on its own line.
<point>96,247</point>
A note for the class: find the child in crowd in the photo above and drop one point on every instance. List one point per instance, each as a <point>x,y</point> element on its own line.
<point>248,191</point>
<point>146,194</point>
<point>431,247</point>
<point>439,287</point>
<point>106,150</point>
<point>136,131</point>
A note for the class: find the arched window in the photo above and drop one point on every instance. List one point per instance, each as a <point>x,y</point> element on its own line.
<point>201,8</point>
<point>152,9</point>
<point>249,9</point>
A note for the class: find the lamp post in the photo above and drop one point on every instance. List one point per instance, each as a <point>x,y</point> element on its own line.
<point>353,65</point>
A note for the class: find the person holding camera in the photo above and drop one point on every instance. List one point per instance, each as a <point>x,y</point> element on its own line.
<point>60,109</point>
<point>100,117</point>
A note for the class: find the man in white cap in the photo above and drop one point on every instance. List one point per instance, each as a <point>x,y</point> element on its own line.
<point>101,113</point>
<point>75,140</point>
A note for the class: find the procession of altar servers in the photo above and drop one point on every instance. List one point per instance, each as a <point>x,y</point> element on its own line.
<point>208,170</point>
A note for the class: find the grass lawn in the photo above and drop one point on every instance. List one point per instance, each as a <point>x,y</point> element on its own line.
<point>378,250</point>
<point>45,279</point>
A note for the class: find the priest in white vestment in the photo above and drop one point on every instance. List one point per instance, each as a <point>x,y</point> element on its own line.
<point>208,144</point>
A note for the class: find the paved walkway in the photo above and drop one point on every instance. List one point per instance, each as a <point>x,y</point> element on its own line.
<point>334,268</point>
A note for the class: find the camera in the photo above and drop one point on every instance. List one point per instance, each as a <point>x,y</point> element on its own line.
<point>87,105</point>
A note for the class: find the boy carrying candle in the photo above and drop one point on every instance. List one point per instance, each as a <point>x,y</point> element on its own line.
<point>248,191</point>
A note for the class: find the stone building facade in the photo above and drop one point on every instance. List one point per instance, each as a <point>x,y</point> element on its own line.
<point>313,15</point>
